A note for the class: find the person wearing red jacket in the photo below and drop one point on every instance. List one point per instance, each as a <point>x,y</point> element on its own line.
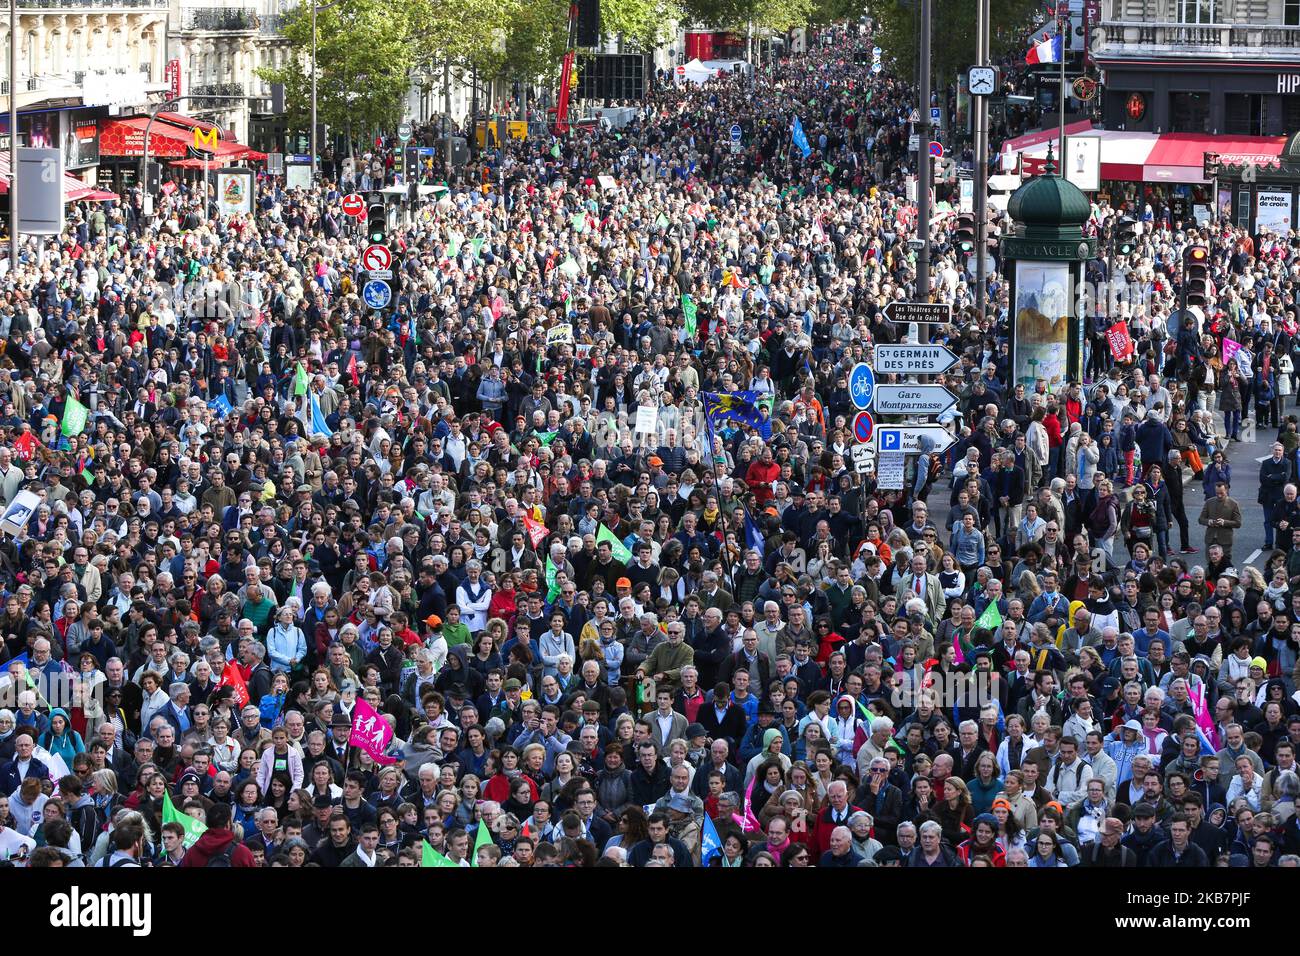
<point>836,814</point>
<point>760,475</point>
<point>1052,423</point>
<point>218,841</point>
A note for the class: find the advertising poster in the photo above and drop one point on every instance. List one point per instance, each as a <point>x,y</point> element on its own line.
<point>1042,323</point>
<point>235,192</point>
<point>1083,162</point>
<point>1273,211</point>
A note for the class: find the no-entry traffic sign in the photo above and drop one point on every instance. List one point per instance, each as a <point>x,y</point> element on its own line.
<point>354,205</point>
<point>376,258</point>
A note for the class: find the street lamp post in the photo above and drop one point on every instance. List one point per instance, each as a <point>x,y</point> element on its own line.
<point>315,8</point>
<point>13,134</point>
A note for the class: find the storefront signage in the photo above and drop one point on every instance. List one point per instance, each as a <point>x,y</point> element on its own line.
<point>1288,82</point>
<point>1136,107</point>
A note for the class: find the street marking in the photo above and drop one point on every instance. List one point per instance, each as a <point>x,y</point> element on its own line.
<point>1254,554</point>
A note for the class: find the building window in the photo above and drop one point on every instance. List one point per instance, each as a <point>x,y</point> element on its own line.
<point>1243,114</point>
<point>1291,13</point>
<point>1196,11</point>
<point>1291,112</point>
<point>1189,112</point>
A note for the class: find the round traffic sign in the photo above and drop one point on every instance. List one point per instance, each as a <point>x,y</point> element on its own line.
<point>377,294</point>
<point>862,385</point>
<point>936,149</point>
<point>354,205</point>
<point>863,427</point>
<point>404,131</point>
<point>735,132</point>
<point>876,67</point>
<point>376,258</point>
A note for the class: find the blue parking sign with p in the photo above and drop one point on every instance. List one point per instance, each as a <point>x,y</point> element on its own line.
<point>891,439</point>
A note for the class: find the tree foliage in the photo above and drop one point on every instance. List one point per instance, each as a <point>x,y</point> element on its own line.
<point>779,16</point>
<point>952,33</point>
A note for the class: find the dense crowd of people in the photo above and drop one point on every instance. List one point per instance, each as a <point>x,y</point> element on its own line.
<point>601,639</point>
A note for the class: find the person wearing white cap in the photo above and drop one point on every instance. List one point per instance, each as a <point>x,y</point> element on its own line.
<point>1123,746</point>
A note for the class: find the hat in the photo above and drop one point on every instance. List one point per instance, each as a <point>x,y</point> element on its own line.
<point>623,583</point>
<point>322,800</point>
<point>695,730</point>
<point>1260,663</point>
<point>1143,809</point>
<point>433,621</point>
<point>1133,725</point>
<point>766,708</point>
<point>656,461</point>
<point>340,720</point>
<point>348,687</point>
<point>1230,573</point>
<point>456,690</point>
<point>1002,802</point>
<point>512,684</point>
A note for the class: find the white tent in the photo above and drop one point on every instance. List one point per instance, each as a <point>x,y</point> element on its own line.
<point>695,72</point>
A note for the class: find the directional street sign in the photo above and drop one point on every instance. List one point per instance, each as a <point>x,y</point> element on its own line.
<point>354,205</point>
<point>913,400</point>
<point>913,359</point>
<point>384,274</point>
<point>862,385</point>
<point>376,258</point>
<point>907,438</point>
<point>864,459</point>
<point>863,426</point>
<point>377,294</point>
<point>918,312</point>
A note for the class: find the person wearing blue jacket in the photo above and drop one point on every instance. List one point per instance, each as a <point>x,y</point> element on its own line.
<point>61,739</point>
<point>285,643</point>
<point>1218,470</point>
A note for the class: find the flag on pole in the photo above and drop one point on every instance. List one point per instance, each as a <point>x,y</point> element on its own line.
<point>738,407</point>
<point>1047,50</point>
<point>431,857</point>
<point>800,138</point>
<point>352,369</point>
<point>689,310</point>
<point>1230,348</point>
<point>991,618</point>
<point>1205,728</point>
<point>620,552</point>
<point>75,416</point>
<point>221,406</point>
<point>482,838</point>
<point>318,425</point>
<point>231,677</point>
<point>300,381</point>
<point>710,842</point>
<point>552,589</point>
<point>753,535</point>
<point>193,828</point>
<point>536,531</point>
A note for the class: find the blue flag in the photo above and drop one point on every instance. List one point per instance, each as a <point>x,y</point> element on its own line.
<point>753,536</point>
<point>318,425</point>
<point>737,407</point>
<point>799,138</point>
<point>710,844</point>
<point>221,405</point>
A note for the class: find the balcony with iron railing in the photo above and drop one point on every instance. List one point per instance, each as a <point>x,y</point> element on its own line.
<point>98,6</point>
<point>1172,40</point>
<point>205,97</point>
<point>219,20</point>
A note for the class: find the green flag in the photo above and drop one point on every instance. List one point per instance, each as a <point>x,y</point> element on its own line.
<point>991,618</point>
<point>476,248</point>
<point>689,308</point>
<point>830,168</point>
<point>454,241</point>
<point>552,589</point>
<point>555,150</point>
<point>547,437</point>
<point>431,857</point>
<point>85,473</point>
<point>482,838</point>
<point>300,381</point>
<point>662,221</point>
<point>620,553</point>
<point>579,221</point>
<point>75,415</point>
<point>193,828</point>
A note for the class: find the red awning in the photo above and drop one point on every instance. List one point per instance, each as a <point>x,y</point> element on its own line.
<point>74,190</point>
<point>1189,149</point>
<point>126,138</point>
<point>192,163</point>
<point>189,122</point>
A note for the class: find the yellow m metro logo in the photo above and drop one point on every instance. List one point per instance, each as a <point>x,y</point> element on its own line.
<point>205,139</point>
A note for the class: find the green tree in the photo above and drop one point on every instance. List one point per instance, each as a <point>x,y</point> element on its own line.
<point>364,58</point>
<point>952,33</point>
<point>780,16</point>
<point>643,24</point>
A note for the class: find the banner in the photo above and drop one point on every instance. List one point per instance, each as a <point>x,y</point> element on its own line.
<point>621,553</point>
<point>1120,342</point>
<point>536,531</point>
<point>431,857</point>
<point>370,732</point>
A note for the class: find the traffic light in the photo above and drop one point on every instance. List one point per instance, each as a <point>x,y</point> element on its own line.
<point>1126,233</point>
<point>376,221</point>
<point>964,236</point>
<point>1196,276</point>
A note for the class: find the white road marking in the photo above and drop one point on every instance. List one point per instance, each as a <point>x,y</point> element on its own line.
<point>1253,555</point>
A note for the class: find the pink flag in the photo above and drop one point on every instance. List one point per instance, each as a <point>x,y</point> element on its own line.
<point>1230,348</point>
<point>751,821</point>
<point>370,732</point>
<point>1204,722</point>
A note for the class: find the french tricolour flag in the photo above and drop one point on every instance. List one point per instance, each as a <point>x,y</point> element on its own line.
<point>1045,51</point>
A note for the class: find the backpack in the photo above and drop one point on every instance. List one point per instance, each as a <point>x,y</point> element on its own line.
<point>224,858</point>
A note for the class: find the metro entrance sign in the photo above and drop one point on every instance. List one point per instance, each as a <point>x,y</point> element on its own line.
<point>913,400</point>
<point>913,359</point>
